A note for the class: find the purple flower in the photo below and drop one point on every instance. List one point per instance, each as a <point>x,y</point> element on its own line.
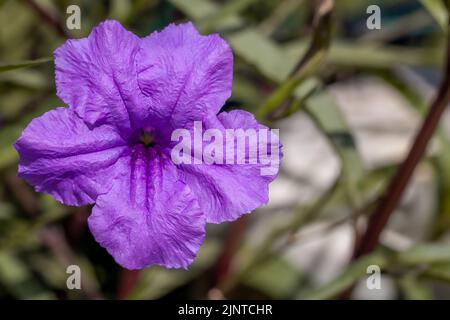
<point>122,90</point>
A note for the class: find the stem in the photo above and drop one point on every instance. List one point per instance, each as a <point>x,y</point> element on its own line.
<point>229,249</point>
<point>310,62</point>
<point>127,282</point>
<point>224,281</point>
<point>391,198</point>
<point>52,237</point>
<point>50,18</point>
<point>265,251</point>
<point>401,178</point>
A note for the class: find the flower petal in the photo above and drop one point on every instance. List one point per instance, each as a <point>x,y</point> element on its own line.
<point>96,76</point>
<point>185,74</point>
<point>227,191</point>
<point>149,217</point>
<point>60,155</point>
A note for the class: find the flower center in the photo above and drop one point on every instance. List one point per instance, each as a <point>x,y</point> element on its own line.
<point>146,139</point>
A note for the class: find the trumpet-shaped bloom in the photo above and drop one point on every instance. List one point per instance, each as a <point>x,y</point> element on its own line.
<point>120,88</point>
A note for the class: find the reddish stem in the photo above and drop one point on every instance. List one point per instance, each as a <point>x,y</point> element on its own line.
<point>394,192</point>
<point>390,200</point>
<point>230,246</point>
<point>50,18</point>
<point>127,282</point>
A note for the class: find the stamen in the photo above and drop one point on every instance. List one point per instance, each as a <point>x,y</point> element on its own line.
<point>147,139</point>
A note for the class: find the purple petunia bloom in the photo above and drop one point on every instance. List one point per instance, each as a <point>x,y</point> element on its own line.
<point>120,90</point>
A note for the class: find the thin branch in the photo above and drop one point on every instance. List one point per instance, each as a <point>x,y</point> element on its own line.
<point>401,178</point>
<point>51,18</point>
<point>265,251</point>
<point>229,249</point>
<point>52,237</point>
<point>127,283</point>
<point>394,192</point>
<point>310,62</point>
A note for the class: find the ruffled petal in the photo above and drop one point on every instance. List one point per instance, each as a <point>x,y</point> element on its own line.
<point>150,217</point>
<point>60,155</point>
<point>96,77</point>
<point>227,191</point>
<point>185,75</point>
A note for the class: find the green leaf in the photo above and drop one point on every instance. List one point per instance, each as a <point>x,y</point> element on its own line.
<point>331,122</point>
<point>201,9</point>
<point>17,65</point>
<point>412,288</point>
<point>229,10</point>
<point>439,271</point>
<point>8,155</point>
<point>437,9</point>
<point>280,14</point>
<point>120,10</point>
<point>29,79</point>
<point>18,279</point>
<point>246,91</point>
<point>369,55</point>
<point>308,64</point>
<point>277,278</point>
<point>155,282</point>
<point>425,254</point>
<point>263,53</point>
<point>349,277</point>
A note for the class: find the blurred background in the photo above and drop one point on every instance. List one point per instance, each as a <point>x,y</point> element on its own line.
<point>354,101</point>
